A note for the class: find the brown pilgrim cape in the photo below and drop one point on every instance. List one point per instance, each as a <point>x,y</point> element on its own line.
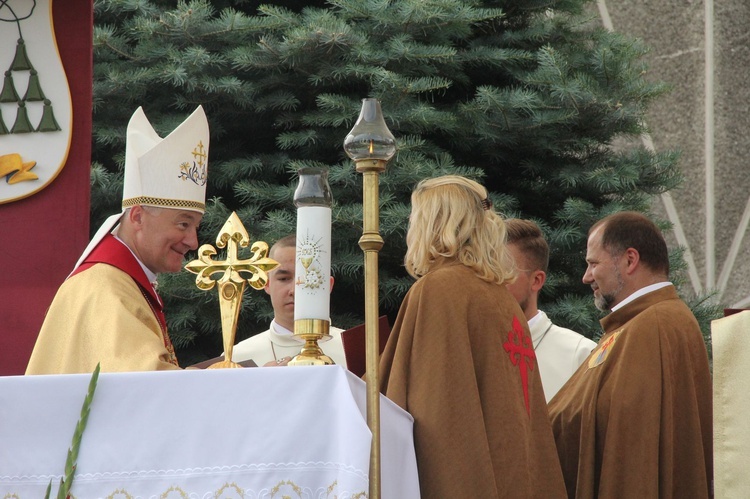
<point>475,433</point>
<point>635,419</point>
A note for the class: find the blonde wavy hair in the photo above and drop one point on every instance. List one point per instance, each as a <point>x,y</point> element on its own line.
<point>451,218</point>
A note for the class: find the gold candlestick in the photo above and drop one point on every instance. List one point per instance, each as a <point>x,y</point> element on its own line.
<point>370,144</point>
<point>232,283</point>
<point>312,331</point>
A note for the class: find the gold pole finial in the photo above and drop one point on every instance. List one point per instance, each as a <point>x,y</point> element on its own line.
<point>232,283</point>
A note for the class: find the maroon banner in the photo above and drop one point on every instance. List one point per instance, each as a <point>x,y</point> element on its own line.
<point>42,235</point>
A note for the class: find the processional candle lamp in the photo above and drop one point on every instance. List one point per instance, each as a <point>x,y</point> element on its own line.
<point>312,285</point>
<point>235,273</point>
<point>370,144</point>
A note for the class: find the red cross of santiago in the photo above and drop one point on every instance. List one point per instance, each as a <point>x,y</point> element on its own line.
<point>521,353</point>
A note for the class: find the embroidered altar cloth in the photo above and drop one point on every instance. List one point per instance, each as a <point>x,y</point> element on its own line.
<point>297,432</point>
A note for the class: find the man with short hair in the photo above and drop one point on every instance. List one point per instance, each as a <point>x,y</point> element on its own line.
<point>559,351</point>
<point>278,345</point>
<point>636,419</point>
<point>107,311</point>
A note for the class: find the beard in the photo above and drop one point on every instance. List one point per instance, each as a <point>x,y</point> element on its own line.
<point>605,301</point>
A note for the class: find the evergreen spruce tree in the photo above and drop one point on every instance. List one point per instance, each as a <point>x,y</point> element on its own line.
<point>527,97</point>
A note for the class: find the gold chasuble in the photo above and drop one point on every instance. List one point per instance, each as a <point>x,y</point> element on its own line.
<point>635,419</point>
<point>106,312</point>
<point>460,360</point>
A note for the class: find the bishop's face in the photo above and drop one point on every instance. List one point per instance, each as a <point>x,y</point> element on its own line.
<point>164,236</point>
<point>603,273</point>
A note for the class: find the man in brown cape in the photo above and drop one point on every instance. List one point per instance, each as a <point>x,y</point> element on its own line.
<point>460,358</point>
<point>635,420</point>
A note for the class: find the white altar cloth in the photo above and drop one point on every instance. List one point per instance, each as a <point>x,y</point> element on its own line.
<point>298,432</point>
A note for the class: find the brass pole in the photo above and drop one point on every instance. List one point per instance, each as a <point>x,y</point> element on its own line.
<point>371,243</point>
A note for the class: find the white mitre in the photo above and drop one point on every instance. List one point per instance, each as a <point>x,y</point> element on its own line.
<point>166,173</point>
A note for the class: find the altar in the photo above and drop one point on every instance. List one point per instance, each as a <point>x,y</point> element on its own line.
<point>297,432</point>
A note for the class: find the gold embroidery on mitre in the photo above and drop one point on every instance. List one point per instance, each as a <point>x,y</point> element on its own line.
<point>197,171</point>
<point>603,351</point>
<point>164,203</point>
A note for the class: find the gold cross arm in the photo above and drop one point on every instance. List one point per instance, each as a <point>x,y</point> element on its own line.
<point>234,275</point>
<point>234,269</point>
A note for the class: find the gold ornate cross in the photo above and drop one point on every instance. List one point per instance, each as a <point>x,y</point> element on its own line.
<point>232,283</point>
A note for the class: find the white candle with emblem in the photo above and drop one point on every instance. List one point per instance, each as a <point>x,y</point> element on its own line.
<point>312,287</point>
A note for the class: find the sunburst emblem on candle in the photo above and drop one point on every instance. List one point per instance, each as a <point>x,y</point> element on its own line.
<point>308,253</point>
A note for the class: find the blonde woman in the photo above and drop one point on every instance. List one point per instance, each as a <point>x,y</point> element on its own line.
<point>460,358</point>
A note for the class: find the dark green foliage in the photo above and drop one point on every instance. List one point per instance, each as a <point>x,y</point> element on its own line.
<point>525,96</point>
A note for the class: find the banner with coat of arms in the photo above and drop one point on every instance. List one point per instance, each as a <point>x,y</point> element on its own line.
<point>35,105</point>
